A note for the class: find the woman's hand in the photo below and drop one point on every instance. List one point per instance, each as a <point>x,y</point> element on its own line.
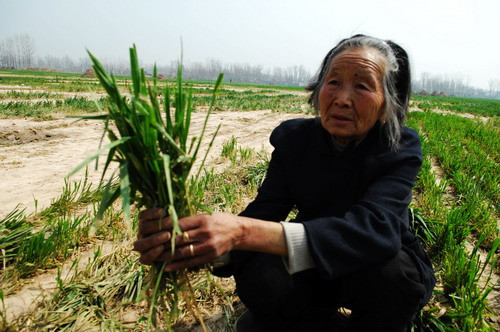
<point>204,237</point>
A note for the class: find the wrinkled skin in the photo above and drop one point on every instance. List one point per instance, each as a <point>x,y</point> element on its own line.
<point>351,99</point>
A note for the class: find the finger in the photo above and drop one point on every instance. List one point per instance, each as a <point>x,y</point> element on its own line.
<point>192,235</point>
<point>184,252</point>
<point>149,226</point>
<point>186,237</point>
<point>192,222</point>
<point>187,225</point>
<point>187,263</point>
<point>153,213</point>
<point>149,256</point>
<point>155,225</point>
<point>180,253</point>
<point>151,241</point>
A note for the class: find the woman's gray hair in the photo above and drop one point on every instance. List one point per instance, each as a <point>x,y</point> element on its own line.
<point>396,82</point>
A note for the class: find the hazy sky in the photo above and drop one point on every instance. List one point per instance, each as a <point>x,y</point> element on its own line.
<point>454,37</point>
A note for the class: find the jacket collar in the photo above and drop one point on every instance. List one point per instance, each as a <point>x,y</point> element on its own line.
<point>327,144</point>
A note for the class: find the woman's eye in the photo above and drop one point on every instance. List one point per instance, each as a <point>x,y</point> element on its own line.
<point>333,82</point>
<point>362,86</point>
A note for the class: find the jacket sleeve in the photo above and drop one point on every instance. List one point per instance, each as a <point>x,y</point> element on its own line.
<point>371,230</point>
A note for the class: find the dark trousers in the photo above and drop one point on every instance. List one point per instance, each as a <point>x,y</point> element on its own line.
<point>384,297</point>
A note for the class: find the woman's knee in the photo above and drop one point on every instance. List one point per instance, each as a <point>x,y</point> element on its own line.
<point>262,283</point>
<point>270,292</point>
<point>402,278</point>
<point>384,297</point>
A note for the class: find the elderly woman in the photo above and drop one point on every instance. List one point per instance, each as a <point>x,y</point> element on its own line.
<point>350,174</point>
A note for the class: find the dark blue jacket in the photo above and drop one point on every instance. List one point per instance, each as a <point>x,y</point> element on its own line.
<point>353,204</point>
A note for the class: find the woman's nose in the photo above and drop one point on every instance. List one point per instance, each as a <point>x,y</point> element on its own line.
<point>343,98</point>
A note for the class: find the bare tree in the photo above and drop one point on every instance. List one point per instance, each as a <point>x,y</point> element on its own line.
<point>7,53</point>
<point>494,88</point>
<point>26,45</point>
<point>17,51</point>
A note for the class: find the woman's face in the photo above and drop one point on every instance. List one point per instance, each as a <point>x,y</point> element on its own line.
<point>352,96</point>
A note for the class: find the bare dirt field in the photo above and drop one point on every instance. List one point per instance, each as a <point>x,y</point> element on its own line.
<point>36,156</point>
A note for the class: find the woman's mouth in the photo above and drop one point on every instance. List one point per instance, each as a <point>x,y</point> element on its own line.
<point>341,117</point>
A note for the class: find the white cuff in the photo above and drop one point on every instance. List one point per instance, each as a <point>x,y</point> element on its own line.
<point>299,257</point>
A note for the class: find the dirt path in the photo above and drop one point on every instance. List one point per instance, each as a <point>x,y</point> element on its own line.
<point>54,96</point>
<point>259,90</point>
<point>36,156</point>
<point>474,117</point>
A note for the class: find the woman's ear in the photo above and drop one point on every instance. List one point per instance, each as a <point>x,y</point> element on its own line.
<point>382,118</point>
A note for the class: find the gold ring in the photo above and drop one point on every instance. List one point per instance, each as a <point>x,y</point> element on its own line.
<point>191,249</point>
<point>185,236</point>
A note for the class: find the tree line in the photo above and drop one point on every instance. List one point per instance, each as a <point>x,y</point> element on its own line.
<point>453,85</point>
<point>208,70</point>
<point>239,72</point>
<point>18,52</point>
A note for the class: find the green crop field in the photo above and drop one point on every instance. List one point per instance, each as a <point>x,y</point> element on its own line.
<point>91,280</point>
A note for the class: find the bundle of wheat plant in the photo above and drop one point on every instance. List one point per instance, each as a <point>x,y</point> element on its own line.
<point>155,156</point>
